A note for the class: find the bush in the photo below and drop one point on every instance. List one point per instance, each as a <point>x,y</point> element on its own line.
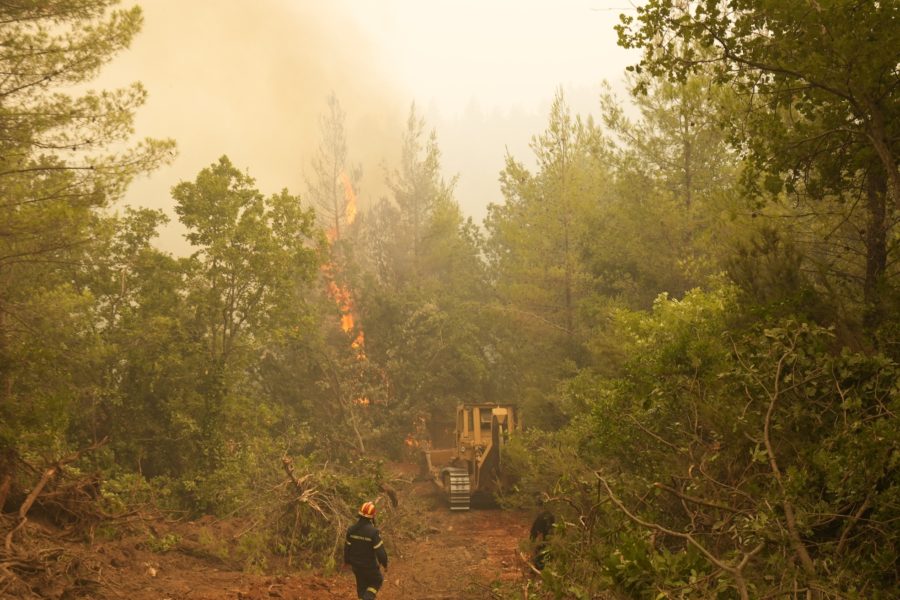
<point>726,462</point>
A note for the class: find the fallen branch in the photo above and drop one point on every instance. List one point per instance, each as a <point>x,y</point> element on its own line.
<point>48,475</point>
<point>315,494</point>
<point>528,563</point>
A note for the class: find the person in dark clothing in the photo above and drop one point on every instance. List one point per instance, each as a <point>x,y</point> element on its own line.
<point>364,551</point>
<point>541,529</point>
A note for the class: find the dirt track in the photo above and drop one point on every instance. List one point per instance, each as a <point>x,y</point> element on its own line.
<point>466,553</point>
<point>451,556</point>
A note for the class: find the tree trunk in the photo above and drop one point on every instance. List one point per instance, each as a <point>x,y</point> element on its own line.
<point>876,246</point>
<point>878,135</point>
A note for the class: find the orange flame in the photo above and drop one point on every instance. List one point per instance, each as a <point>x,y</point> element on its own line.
<point>341,295</point>
<point>350,198</point>
<point>350,210</point>
<point>360,341</point>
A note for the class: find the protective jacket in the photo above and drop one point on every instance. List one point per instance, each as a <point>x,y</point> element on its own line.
<point>542,526</point>
<point>364,547</point>
<point>541,529</point>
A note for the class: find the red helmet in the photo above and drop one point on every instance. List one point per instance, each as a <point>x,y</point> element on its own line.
<point>367,510</point>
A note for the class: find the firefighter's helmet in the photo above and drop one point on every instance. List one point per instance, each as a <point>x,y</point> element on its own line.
<point>367,510</point>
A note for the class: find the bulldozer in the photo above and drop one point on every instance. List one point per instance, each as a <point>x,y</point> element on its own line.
<point>472,466</point>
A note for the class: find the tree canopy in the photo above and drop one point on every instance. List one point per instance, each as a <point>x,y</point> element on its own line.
<point>693,299</point>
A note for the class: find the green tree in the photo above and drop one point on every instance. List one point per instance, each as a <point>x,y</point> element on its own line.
<point>433,338</point>
<point>421,297</point>
<point>63,158</point>
<point>675,201</point>
<point>416,186</point>
<point>808,59</point>
<point>253,256</point>
<point>720,456</point>
<point>56,165</point>
<point>821,95</point>
<point>536,246</point>
<point>145,380</point>
<point>678,139</point>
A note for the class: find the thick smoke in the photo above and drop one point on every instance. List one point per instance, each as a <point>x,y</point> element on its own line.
<point>250,80</point>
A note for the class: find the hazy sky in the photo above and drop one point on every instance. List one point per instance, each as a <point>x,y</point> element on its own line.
<point>250,79</point>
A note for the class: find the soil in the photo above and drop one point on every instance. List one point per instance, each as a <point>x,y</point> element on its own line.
<point>447,555</point>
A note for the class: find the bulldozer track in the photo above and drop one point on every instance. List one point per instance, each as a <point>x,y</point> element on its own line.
<point>460,494</point>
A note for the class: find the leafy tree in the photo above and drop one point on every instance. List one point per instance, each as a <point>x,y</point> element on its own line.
<point>54,165</point>
<point>722,455</point>
<point>675,200</point>
<point>63,158</point>
<point>537,240</point>
<point>821,97</point>
<point>678,140</point>
<point>254,254</point>
<point>421,299</point>
<point>149,360</point>
<point>416,187</point>
<point>383,256</point>
<point>807,59</point>
<point>433,337</point>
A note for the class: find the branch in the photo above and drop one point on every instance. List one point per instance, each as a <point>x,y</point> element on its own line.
<point>789,515</point>
<point>735,571</point>
<point>655,436</point>
<point>695,500</point>
<point>48,475</point>
<point>729,54</point>
<point>842,543</point>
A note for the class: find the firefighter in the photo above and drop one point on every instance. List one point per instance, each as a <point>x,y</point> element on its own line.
<point>364,551</point>
<point>541,529</point>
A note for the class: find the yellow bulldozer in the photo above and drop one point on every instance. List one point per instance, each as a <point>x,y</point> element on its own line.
<point>472,465</point>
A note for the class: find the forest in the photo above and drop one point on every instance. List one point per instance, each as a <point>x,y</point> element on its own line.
<point>694,300</point>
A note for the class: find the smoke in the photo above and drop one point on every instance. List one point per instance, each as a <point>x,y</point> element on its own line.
<point>250,80</point>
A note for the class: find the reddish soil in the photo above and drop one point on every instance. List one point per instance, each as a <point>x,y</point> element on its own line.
<point>452,556</point>
<point>464,556</point>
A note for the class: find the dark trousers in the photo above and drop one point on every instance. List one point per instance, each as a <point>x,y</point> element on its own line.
<point>368,581</point>
<point>540,555</point>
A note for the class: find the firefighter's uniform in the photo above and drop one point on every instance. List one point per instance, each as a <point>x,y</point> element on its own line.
<point>541,529</point>
<point>364,551</point>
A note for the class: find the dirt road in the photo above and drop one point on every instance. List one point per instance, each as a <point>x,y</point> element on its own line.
<point>434,554</point>
<point>463,556</point>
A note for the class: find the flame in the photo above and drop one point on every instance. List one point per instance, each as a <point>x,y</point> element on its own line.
<point>332,273</point>
<point>342,296</point>
<point>350,210</point>
<point>418,437</point>
<point>360,342</point>
<point>349,198</point>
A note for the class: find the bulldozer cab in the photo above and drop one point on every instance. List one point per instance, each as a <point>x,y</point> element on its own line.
<point>480,424</point>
